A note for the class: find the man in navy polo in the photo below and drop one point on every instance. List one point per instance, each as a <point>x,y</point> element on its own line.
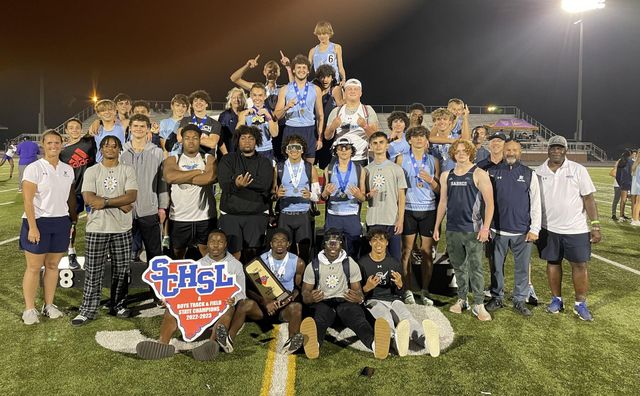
<point>516,224</point>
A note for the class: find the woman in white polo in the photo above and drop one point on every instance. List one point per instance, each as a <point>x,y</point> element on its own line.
<point>47,192</point>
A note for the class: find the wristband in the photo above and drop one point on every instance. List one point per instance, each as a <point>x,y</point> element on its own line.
<point>595,222</point>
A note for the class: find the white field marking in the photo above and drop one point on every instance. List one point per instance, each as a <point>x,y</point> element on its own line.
<point>6,203</point>
<point>11,189</point>
<point>82,215</point>
<point>9,240</point>
<point>624,267</point>
<point>280,368</point>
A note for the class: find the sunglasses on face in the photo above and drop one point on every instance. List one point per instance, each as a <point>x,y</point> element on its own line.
<point>332,242</point>
<point>294,147</point>
<point>343,147</point>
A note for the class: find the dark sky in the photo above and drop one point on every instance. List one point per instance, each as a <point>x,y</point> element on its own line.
<point>510,52</point>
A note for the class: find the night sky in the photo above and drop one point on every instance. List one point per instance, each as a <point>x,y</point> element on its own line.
<point>508,52</point>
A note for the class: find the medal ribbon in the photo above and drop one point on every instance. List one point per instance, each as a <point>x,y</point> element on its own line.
<point>341,182</point>
<point>194,120</point>
<point>297,175</point>
<point>281,269</point>
<point>416,169</point>
<point>302,100</point>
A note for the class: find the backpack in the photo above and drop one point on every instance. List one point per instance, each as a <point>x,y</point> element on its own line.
<point>315,265</point>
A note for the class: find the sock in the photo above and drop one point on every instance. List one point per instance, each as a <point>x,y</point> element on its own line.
<point>578,303</point>
<point>72,250</point>
<point>558,297</point>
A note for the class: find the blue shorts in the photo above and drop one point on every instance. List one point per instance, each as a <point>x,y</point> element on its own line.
<point>54,235</point>
<point>308,133</point>
<point>553,247</point>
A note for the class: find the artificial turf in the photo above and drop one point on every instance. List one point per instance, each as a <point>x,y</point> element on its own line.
<point>542,355</point>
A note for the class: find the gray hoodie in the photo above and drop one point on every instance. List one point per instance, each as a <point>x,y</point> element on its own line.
<point>153,192</point>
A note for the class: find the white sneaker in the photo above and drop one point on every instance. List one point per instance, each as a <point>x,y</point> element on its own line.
<point>51,311</point>
<point>408,297</point>
<point>481,313</point>
<point>635,223</point>
<point>424,296</point>
<point>401,338</point>
<point>30,316</point>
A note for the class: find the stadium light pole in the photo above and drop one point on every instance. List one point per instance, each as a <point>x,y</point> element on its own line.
<point>579,7</point>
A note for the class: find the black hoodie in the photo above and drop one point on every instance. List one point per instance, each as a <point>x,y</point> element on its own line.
<point>253,199</point>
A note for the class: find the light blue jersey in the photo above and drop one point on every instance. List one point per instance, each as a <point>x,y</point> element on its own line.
<point>284,270</point>
<point>302,114</point>
<point>343,203</point>
<point>261,123</point>
<point>420,196</point>
<point>292,200</point>
<point>117,131</point>
<point>398,147</point>
<point>328,57</point>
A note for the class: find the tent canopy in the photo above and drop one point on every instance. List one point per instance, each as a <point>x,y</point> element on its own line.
<point>515,124</point>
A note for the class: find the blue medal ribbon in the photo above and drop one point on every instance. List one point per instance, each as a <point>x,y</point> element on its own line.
<point>341,182</point>
<point>194,120</point>
<point>416,169</point>
<point>302,100</point>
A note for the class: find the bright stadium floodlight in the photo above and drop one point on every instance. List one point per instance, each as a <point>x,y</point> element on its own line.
<point>579,6</point>
<point>94,99</point>
<point>491,108</point>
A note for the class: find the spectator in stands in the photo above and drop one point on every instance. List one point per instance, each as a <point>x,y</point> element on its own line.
<point>9,152</point>
<point>343,196</point>
<point>385,186</point>
<point>397,123</point>
<point>168,126</point>
<point>152,201</point>
<point>416,114</point>
<point>123,104</point>
<point>327,52</point>
<point>566,207</point>
<point>383,287</point>
<point>332,97</point>
<point>422,172</point>
<point>296,186</point>
<point>461,123</point>
<point>461,190</point>
<point>288,268</point>
<point>261,117</point>
<point>79,152</point>
<point>624,179</point>
<point>110,189</point>
<point>297,102</point>
<point>331,287</point>
<point>236,103</point>
<point>353,120</point>
<point>193,208</point>
<point>496,148</point>
<point>516,224</point>
<point>479,136</point>
<point>200,101</point>
<point>107,124</point>
<point>246,181</point>
<point>28,152</point>
<point>216,254</point>
<point>49,209</point>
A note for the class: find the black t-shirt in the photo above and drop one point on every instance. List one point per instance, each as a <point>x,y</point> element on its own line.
<point>386,290</point>
<point>207,125</point>
<point>80,156</point>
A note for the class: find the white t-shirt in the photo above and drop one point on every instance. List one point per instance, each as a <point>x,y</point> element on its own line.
<point>53,185</point>
<point>190,202</point>
<point>11,150</point>
<point>561,194</point>
<point>352,130</point>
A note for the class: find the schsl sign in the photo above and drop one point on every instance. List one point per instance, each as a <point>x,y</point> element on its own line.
<point>195,295</point>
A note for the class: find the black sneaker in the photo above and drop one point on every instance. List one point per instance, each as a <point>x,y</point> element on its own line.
<point>494,304</point>
<point>73,262</point>
<point>222,337</point>
<point>614,218</point>
<point>79,320</point>
<point>293,344</point>
<point>521,308</point>
<point>122,313</point>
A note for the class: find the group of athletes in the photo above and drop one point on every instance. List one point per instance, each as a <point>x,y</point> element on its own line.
<point>148,186</point>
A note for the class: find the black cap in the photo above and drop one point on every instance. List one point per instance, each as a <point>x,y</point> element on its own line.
<point>498,135</point>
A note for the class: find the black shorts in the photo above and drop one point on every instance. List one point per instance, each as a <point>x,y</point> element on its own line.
<point>54,235</point>
<point>554,247</point>
<point>190,233</point>
<point>419,222</point>
<point>248,230</point>
<point>308,133</point>
<point>298,225</point>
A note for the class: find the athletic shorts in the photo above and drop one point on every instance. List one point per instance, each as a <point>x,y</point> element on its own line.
<point>554,247</point>
<point>54,235</point>
<point>419,222</point>
<point>7,157</point>
<point>298,225</point>
<point>244,230</point>
<point>635,186</point>
<point>189,233</point>
<point>307,133</point>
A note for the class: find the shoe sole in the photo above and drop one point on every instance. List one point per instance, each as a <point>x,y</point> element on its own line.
<point>296,343</point>
<point>402,337</point>
<point>205,352</point>
<point>310,341</point>
<point>222,338</point>
<point>581,318</point>
<point>554,312</point>
<point>151,350</point>
<point>382,337</point>
<point>432,337</point>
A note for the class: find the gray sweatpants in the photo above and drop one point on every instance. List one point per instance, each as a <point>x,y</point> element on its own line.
<point>394,312</point>
<point>521,254</point>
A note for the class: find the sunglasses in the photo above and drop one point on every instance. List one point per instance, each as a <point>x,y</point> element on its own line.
<point>294,147</point>
<point>343,147</point>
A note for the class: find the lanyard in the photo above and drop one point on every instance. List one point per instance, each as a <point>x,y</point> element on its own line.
<point>194,120</point>
<point>281,269</point>
<point>302,100</point>
<point>295,176</point>
<point>416,169</point>
<point>341,182</point>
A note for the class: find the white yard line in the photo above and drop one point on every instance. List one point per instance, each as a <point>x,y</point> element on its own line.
<point>11,189</point>
<point>6,203</point>
<point>9,240</point>
<point>615,264</point>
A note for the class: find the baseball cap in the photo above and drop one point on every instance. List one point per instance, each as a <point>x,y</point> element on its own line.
<point>341,141</point>
<point>558,140</point>
<point>498,135</point>
<point>353,81</point>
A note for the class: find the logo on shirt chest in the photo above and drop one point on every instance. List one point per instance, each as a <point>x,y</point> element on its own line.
<point>110,183</point>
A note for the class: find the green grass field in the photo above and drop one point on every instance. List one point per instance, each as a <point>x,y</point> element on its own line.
<point>543,355</point>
